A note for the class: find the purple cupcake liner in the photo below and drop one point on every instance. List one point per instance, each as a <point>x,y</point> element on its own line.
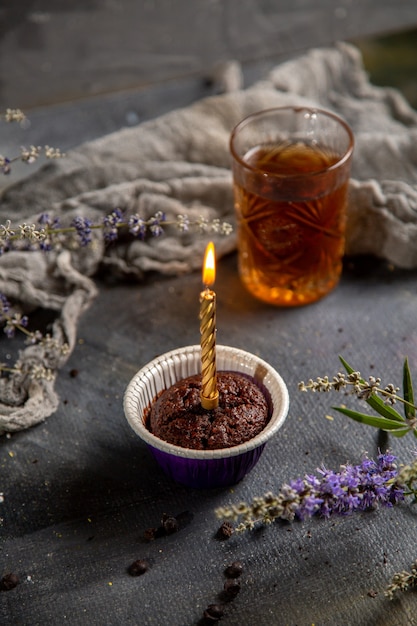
<point>210,473</point>
<point>204,468</point>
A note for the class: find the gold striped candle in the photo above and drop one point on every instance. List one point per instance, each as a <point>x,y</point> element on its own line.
<point>209,393</point>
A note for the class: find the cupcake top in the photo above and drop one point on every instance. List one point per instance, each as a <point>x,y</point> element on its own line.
<point>177,416</point>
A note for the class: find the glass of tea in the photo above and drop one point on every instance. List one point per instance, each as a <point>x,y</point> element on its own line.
<point>291,170</point>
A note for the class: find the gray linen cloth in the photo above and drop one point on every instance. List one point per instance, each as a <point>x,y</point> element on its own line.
<point>179,163</point>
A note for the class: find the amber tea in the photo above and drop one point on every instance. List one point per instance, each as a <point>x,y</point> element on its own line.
<point>291,247</point>
<point>290,200</point>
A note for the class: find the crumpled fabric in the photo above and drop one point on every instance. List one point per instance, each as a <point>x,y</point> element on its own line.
<point>179,163</point>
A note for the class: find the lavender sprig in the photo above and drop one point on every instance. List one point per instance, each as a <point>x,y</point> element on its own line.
<point>15,321</point>
<point>13,115</point>
<point>48,232</point>
<point>110,225</point>
<point>82,226</point>
<point>27,155</point>
<point>354,488</point>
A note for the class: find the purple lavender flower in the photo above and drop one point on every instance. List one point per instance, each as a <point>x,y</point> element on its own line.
<point>44,219</point>
<point>110,223</point>
<point>155,224</point>
<point>378,484</point>
<point>83,227</point>
<point>183,223</point>
<point>5,165</point>
<point>45,245</point>
<point>4,305</point>
<point>48,225</point>
<point>137,226</point>
<point>358,487</point>
<point>16,321</point>
<point>9,331</point>
<point>354,488</point>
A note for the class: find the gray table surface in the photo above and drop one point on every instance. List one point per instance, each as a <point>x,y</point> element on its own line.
<point>82,488</point>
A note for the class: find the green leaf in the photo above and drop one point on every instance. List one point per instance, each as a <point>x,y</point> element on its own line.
<point>409,411</point>
<point>383,409</point>
<point>371,420</point>
<point>346,365</point>
<point>374,401</point>
<point>400,432</point>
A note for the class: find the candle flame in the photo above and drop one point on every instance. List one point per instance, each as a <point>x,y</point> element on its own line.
<point>209,265</point>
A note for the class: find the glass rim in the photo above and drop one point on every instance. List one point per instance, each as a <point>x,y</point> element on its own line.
<point>246,120</point>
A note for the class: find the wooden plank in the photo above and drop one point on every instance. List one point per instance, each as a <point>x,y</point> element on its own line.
<point>53,52</point>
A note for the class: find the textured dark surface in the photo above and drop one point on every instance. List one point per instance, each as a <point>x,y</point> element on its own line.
<point>81,489</point>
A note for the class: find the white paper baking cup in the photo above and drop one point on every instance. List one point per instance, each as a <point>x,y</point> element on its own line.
<point>204,468</point>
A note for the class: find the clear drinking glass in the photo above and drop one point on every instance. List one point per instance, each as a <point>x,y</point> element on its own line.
<point>291,169</point>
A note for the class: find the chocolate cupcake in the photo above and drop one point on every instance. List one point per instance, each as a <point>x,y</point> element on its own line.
<point>205,467</point>
<point>177,416</point>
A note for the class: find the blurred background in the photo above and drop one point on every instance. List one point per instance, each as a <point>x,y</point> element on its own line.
<point>54,51</point>
<point>83,68</point>
<point>391,60</point>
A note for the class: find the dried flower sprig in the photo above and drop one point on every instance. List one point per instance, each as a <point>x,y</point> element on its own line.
<point>48,232</point>
<point>354,488</point>
<point>378,398</point>
<point>15,321</point>
<point>402,581</point>
<point>13,115</point>
<point>27,155</point>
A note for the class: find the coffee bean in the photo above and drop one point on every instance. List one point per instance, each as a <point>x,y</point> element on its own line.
<point>213,612</point>
<point>231,587</point>
<point>9,581</point>
<point>139,567</point>
<point>234,570</point>
<point>225,531</point>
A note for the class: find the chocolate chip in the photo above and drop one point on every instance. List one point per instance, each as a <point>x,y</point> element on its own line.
<point>234,570</point>
<point>139,567</point>
<point>9,581</point>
